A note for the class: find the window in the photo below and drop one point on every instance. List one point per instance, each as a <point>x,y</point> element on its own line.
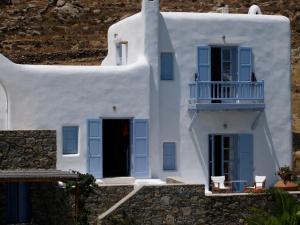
<point>17,203</point>
<point>169,156</point>
<point>166,66</point>
<point>70,140</point>
<point>121,53</point>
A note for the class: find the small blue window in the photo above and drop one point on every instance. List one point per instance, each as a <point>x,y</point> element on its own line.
<point>169,156</point>
<point>70,140</point>
<point>166,66</point>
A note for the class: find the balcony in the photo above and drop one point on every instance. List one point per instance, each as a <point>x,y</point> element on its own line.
<point>226,95</point>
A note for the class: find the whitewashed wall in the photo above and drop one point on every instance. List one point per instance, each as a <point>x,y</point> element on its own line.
<point>269,36</point>
<point>49,97</point>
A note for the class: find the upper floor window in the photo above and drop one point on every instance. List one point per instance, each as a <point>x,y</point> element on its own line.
<point>70,140</point>
<point>225,64</point>
<point>121,53</point>
<point>166,66</point>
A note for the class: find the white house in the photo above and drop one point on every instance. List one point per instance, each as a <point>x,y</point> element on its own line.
<point>179,94</point>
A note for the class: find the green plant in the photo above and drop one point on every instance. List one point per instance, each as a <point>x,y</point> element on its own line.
<point>285,173</point>
<point>286,211</point>
<point>81,188</point>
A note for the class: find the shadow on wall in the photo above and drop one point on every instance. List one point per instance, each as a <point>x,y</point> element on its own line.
<point>199,146</point>
<point>270,154</point>
<point>169,101</point>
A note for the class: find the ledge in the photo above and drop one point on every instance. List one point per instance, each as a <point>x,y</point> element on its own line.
<point>227,107</point>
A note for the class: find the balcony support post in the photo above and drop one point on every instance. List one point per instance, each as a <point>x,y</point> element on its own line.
<point>193,119</point>
<point>256,120</point>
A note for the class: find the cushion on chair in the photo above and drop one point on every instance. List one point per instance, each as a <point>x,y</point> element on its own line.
<point>259,180</point>
<point>218,182</point>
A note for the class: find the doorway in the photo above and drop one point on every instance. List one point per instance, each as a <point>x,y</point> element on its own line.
<point>116,147</point>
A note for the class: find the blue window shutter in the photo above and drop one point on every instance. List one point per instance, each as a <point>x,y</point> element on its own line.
<point>245,61</point>
<point>95,148</point>
<point>167,66</point>
<point>24,205</point>
<point>169,156</point>
<point>12,203</point>
<point>140,148</point>
<point>245,152</point>
<point>204,63</point>
<point>70,140</point>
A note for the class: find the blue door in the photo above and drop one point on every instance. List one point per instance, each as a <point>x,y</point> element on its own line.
<point>95,148</point>
<point>245,157</point>
<point>12,203</point>
<point>17,203</point>
<point>140,167</point>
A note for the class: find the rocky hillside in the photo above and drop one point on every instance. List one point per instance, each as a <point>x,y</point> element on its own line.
<point>74,31</point>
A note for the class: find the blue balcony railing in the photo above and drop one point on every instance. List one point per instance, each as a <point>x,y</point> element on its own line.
<point>231,92</point>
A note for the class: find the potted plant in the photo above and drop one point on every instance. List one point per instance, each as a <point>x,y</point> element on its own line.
<point>286,181</point>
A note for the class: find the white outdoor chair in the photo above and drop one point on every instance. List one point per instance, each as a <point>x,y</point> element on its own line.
<point>259,183</point>
<point>218,184</point>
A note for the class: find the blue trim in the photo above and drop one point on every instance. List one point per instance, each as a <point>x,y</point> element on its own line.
<point>167,66</point>
<point>141,148</point>
<point>169,156</point>
<point>70,139</point>
<point>95,168</point>
<point>204,63</point>
<point>227,107</point>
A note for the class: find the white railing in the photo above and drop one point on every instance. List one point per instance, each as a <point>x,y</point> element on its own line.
<point>227,90</point>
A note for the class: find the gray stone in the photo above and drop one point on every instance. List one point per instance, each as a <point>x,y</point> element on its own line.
<point>60,3</point>
<point>186,211</point>
<point>170,220</point>
<point>165,200</point>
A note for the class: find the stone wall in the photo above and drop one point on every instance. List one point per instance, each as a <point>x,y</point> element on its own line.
<point>28,149</point>
<point>104,198</point>
<point>50,205</point>
<point>183,204</point>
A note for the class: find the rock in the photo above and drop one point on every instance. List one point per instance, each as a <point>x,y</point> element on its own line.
<point>96,11</point>
<point>68,10</point>
<point>36,33</point>
<point>60,3</point>
<point>186,211</point>
<point>165,200</point>
<point>170,220</point>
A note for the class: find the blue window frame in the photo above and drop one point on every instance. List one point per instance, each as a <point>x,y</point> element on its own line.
<point>70,140</point>
<point>169,156</point>
<point>166,66</point>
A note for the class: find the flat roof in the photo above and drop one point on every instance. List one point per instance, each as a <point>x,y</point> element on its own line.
<point>35,175</point>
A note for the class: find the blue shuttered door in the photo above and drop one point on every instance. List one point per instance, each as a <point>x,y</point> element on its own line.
<point>245,157</point>
<point>12,203</point>
<point>245,61</point>
<point>95,147</point>
<point>204,63</point>
<point>140,148</point>
<point>24,207</point>
<point>17,203</point>
<point>169,156</point>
